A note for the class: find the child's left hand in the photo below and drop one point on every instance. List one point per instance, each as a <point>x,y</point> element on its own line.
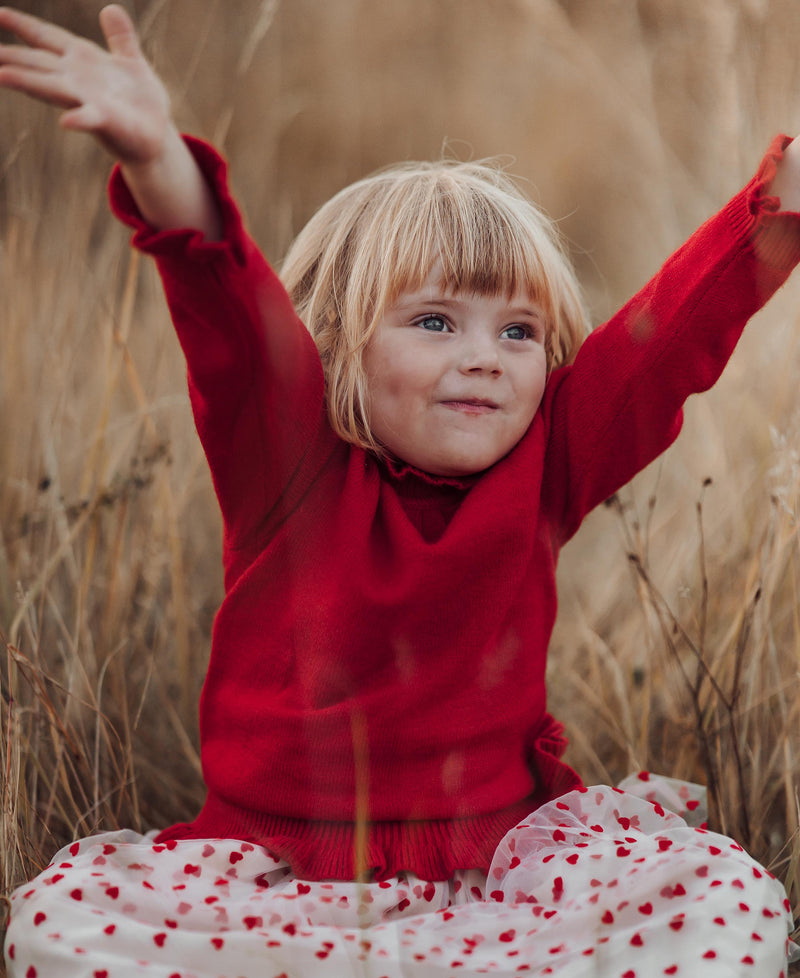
<point>786,184</point>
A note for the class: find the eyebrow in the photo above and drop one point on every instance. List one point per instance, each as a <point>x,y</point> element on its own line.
<point>525,311</point>
<point>420,298</point>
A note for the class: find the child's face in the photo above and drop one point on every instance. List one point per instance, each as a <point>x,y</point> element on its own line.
<point>455,378</point>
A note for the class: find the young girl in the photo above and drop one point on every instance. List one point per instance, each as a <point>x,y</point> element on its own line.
<point>385,794</point>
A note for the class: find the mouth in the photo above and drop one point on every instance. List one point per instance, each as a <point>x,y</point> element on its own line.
<point>471,405</point>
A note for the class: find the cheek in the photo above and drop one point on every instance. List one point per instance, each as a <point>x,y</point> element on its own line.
<point>390,398</point>
<point>530,389</point>
<point>386,391</point>
<point>395,380</point>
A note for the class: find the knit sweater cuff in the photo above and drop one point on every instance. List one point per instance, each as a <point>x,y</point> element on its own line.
<point>755,215</point>
<point>190,241</point>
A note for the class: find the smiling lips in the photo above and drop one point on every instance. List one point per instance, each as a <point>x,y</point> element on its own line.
<point>471,405</point>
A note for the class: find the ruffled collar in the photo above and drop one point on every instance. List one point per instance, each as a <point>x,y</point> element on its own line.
<point>403,472</point>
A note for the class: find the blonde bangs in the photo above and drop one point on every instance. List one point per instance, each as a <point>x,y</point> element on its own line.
<point>481,247</point>
<point>383,235</point>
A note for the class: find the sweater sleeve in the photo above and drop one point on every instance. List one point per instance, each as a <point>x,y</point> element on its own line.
<point>619,405</point>
<point>255,379</point>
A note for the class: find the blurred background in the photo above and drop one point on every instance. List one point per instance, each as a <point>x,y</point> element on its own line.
<point>630,121</point>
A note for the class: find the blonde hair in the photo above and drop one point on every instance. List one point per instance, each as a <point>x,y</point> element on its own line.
<point>382,236</point>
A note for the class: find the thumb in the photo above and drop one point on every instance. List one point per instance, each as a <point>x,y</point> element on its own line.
<point>84,118</point>
<point>119,32</point>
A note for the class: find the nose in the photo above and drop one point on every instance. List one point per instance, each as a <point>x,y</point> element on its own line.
<point>480,355</point>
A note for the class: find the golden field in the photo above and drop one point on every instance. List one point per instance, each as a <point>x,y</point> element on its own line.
<point>678,642</point>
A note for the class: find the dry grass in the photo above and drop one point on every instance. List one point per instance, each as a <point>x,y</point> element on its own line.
<point>678,643</point>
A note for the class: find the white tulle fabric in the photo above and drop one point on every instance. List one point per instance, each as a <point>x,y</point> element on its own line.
<point>600,882</point>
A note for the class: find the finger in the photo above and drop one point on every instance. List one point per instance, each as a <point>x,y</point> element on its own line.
<point>119,31</point>
<point>25,57</point>
<point>84,118</point>
<point>38,33</point>
<point>44,87</point>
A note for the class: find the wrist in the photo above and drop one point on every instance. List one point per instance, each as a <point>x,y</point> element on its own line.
<point>161,158</point>
<point>171,191</point>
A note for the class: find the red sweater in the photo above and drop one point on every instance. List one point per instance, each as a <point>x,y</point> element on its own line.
<point>380,650</point>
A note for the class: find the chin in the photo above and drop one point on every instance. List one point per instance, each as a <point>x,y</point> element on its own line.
<point>456,468</point>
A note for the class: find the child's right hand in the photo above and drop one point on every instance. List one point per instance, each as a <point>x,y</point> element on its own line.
<point>116,97</point>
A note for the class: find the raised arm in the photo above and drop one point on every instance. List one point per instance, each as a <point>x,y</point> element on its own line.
<point>619,405</point>
<point>115,96</point>
<point>255,379</point>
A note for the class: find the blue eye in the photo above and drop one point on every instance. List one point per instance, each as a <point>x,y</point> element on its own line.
<point>517,332</point>
<point>433,324</point>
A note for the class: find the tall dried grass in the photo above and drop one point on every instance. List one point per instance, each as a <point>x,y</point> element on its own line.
<point>678,642</point>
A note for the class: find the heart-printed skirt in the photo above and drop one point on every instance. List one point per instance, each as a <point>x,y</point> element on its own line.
<point>600,882</point>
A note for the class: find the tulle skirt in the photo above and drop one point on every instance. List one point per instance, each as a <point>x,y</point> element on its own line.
<point>600,882</point>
